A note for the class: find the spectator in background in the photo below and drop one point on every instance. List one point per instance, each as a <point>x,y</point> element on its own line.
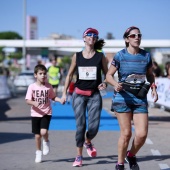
<point>54,74</point>
<point>48,62</point>
<point>167,70</point>
<point>156,69</point>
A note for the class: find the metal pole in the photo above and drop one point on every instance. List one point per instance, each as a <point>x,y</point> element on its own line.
<point>24,34</point>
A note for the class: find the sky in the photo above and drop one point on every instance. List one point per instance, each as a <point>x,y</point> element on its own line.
<point>72,17</point>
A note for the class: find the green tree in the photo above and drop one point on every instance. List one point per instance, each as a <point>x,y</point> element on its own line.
<point>16,55</point>
<point>2,55</point>
<point>9,35</point>
<point>65,62</point>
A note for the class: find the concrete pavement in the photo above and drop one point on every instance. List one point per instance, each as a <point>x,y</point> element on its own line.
<point>17,147</point>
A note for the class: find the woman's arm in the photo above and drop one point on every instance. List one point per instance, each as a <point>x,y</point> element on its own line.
<point>151,79</point>
<point>103,85</point>
<point>109,78</point>
<point>104,65</point>
<point>69,77</point>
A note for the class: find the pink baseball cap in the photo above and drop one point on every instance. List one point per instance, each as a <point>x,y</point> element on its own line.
<point>92,30</point>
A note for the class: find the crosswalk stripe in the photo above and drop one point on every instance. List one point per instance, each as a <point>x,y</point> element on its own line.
<point>164,167</point>
<point>155,152</point>
<point>148,141</point>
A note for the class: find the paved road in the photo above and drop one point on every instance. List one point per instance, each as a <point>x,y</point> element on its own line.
<point>17,146</point>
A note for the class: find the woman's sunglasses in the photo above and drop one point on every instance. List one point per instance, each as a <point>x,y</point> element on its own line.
<point>135,35</point>
<point>92,34</point>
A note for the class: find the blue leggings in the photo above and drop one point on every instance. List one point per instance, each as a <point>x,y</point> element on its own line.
<point>93,104</point>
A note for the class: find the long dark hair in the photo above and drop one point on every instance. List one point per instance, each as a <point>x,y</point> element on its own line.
<point>99,44</point>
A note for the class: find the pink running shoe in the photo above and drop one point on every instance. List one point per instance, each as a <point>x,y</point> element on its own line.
<point>91,151</point>
<point>78,161</point>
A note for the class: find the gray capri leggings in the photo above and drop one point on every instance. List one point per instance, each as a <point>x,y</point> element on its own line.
<point>93,104</point>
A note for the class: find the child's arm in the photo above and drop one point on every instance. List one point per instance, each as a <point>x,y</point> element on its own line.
<point>29,97</point>
<point>57,99</point>
<point>33,103</point>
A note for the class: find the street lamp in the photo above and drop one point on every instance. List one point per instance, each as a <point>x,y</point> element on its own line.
<point>24,35</point>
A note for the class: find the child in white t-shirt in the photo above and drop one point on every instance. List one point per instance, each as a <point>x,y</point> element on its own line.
<point>38,96</point>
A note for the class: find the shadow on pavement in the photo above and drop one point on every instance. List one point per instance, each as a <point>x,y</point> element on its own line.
<point>11,137</point>
<point>73,118</point>
<point>4,108</point>
<point>112,159</point>
<point>151,157</point>
<point>160,118</point>
<point>15,118</point>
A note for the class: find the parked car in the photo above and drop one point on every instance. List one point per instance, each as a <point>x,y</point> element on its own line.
<point>24,79</point>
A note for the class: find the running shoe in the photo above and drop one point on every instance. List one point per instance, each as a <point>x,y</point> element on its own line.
<point>91,151</point>
<point>119,167</point>
<point>38,156</point>
<point>132,161</point>
<point>46,147</point>
<point>78,161</point>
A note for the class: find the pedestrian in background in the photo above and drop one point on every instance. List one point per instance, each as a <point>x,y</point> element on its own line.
<point>167,69</point>
<point>88,65</point>
<point>157,72</point>
<point>38,96</point>
<point>137,62</point>
<point>54,74</point>
<point>168,72</point>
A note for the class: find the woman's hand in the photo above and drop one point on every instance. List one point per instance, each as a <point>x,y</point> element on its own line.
<point>118,87</point>
<point>154,95</point>
<point>63,99</point>
<point>102,86</point>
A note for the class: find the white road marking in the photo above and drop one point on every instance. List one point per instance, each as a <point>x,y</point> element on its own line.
<point>148,141</point>
<point>164,166</point>
<point>155,152</point>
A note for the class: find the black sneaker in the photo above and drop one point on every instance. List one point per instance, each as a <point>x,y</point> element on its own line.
<point>119,167</point>
<point>132,162</point>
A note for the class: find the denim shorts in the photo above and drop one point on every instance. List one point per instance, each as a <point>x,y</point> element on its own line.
<point>124,102</point>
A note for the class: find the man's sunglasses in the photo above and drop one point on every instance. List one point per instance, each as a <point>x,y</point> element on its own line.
<point>135,35</point>
<point>92,34</point>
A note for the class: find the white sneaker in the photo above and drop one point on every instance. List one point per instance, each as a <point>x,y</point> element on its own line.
<point>46,147</point>
<point>38,156</point>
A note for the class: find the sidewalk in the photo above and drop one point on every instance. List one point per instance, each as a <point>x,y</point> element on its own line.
<point>17,147</point>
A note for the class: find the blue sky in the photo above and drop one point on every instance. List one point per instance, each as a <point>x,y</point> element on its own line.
<point>72,17</point>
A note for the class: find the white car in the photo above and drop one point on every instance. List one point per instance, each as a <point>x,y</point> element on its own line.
<point>24,79</point>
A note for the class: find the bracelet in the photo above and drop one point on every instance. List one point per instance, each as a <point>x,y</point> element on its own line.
<point>153,85</point>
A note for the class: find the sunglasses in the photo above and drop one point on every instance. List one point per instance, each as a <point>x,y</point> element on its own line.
<point>92,34</point>
<point>135,35</point>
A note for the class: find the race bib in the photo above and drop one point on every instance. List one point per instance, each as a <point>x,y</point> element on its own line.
<point>87,73</point>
